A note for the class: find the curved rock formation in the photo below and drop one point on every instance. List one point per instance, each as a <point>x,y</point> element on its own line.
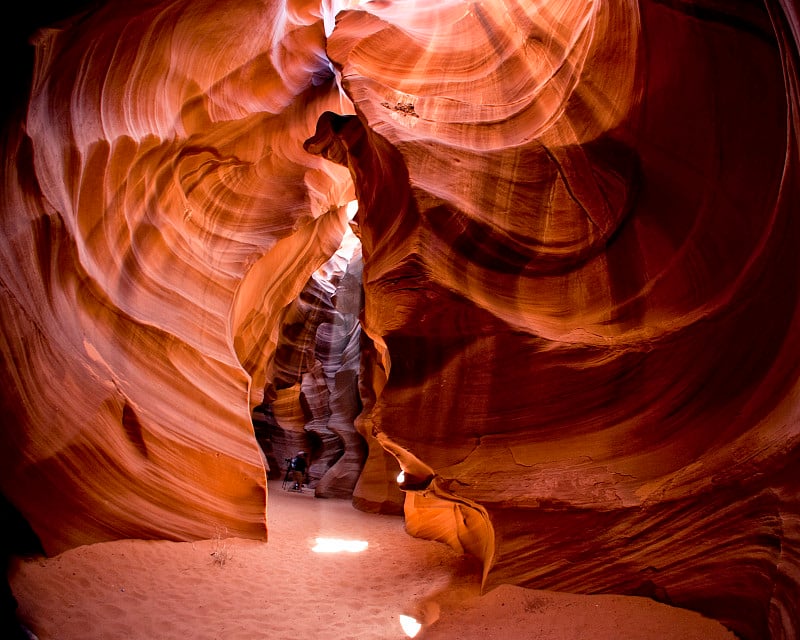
<point>158,214</point>
<point>597,337</point>
<point>580,280</point>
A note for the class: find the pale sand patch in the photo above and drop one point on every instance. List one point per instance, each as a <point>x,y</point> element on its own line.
<point>235,589</point>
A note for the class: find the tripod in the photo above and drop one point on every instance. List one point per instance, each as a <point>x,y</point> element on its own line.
<point>287,477</point>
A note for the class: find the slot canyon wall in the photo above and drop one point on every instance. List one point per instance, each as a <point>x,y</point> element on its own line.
<point>578,222</point>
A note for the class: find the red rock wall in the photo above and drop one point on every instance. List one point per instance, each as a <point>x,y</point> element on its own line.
<point>158,214</point>
<point>580,279</point>
<point>586,291</point>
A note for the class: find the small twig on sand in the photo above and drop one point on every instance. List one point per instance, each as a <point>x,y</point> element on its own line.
<point>221,553</point>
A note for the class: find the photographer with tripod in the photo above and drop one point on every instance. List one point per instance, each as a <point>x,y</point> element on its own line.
<point>297,469</point>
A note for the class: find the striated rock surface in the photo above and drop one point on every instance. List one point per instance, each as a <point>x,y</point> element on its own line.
<point>580,336</point>
<point>158,215</point>
<point>586,290</point>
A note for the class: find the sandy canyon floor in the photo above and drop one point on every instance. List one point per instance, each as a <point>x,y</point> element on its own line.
<point>288,588</point>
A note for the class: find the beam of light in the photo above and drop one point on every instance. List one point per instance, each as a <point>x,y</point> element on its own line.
<point>352,209</point>
<point>401,477</point>
<point>336,545</point>
<point>410,626</point>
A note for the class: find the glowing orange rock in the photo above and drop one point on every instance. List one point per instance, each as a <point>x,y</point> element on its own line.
<point>580,280</point>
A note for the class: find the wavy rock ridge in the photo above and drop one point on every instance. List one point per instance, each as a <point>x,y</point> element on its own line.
<point>580,281</point>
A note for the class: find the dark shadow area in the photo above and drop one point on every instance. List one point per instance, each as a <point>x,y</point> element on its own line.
<point>18,27</point>
<point>18,539</point>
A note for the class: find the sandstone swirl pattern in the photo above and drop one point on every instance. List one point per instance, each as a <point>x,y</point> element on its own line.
<point>580,278</point>
<point>159,213</point>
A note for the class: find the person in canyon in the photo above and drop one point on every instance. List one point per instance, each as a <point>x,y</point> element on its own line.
<point>298,466</point>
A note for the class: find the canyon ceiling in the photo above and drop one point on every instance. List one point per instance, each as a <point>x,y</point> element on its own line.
<point>578,257</point>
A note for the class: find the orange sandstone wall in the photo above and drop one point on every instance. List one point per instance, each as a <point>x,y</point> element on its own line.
<point>158,213</point>
<point>587,287</point>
